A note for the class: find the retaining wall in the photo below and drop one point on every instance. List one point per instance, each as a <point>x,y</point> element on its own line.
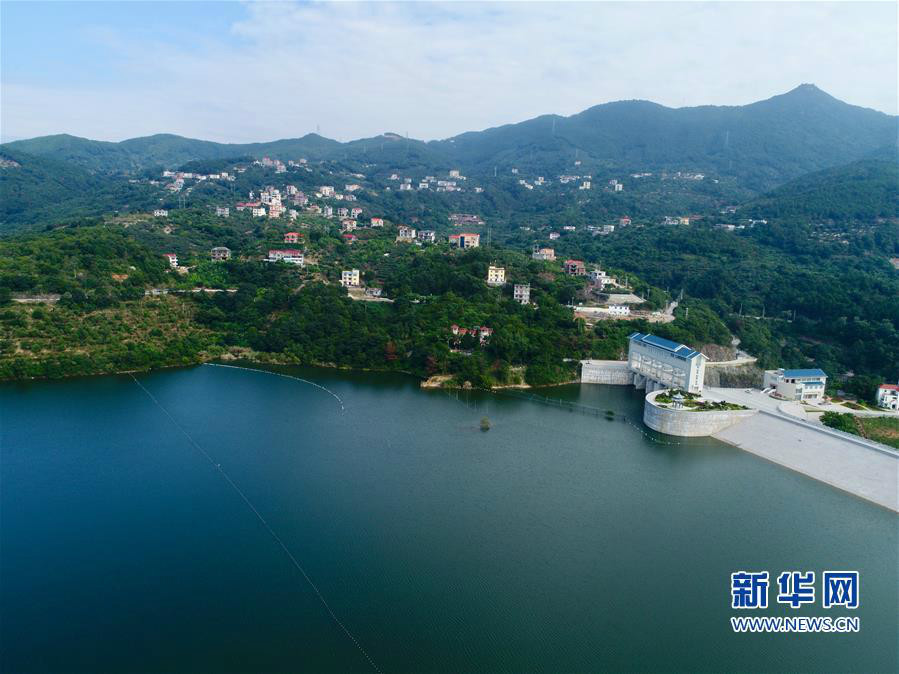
<point>614,372</point>
<point>685,423</point>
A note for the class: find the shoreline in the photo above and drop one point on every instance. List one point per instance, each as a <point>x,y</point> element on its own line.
<point>275,361</point>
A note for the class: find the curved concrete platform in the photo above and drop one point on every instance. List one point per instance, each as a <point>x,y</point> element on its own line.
<point>687,423</point>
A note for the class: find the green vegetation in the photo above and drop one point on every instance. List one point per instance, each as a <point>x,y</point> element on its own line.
<point>884,430</point>
<point>297,315</point>
<point>863,190</point>
<point>39,190</point>
<point>813,287</point>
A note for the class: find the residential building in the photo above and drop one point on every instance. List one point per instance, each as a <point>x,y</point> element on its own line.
<point>618,310</point>
<point>599,278</point>
<point>377,222</point>
<point>292,237</point>
<point>160,213</point>
<point>804,385</point>
<point>496,276</point>
<point>355,212</point>
<point>522,293</point>
<point>465,240</point>
<point>427,235</point>
<point>326,191</point>
<point>405,234</point>
<point>888,396</point>
<point>349,238</point>
<point>373,292</point>
<point>624,222</point>
<point>544,254</point>
<point>258,212</point>
<point>585,185</point>
<point>554,235</point>
<point>222,211</point>
<point>172,258</point>
<point>349,278</point>
<point>575,267</point>
<point>220,253</point>
<point>661,363</point>
<point>290,256</point>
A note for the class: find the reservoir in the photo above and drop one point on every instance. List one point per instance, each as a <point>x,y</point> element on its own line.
<point>142,524</point>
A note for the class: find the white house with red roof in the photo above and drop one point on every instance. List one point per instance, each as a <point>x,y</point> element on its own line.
<point>172,258</point>
<point>888,396</point>
<point>292,237</point>
<point>288,255</point>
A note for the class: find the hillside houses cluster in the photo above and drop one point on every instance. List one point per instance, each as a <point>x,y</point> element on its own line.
<point>180,178</point>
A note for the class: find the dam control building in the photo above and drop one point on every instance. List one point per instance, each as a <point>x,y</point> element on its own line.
<point>659,363</point>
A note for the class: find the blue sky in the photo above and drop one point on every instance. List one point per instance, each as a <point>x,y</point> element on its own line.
<point>258,71</point>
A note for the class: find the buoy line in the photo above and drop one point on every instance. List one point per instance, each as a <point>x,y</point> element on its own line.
<point>261,519</point>
<point>286,376</point>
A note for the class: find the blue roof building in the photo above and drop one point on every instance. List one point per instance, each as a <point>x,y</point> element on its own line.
<point>661,363</point>
<point>805,385</point>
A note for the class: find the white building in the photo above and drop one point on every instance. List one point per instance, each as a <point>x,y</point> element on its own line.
<point>288,255</point>
<point>349,278</point>
<point>544,254</point>
<point>805,385</point>
<point>160,213</point>
<point>222,211</point>
<point>888,396</point>
<point>258,212</point>
<point>496,276</point>
<point>220,253</point>
<point>618,310</point>
<point>660,363</point>
<point>377,222</point>
<point>522,293</point>
<point>427,235</point>
<point>326,191</point>
<point>172,258</point>
<point>405,234</point>
<point>599,278</point>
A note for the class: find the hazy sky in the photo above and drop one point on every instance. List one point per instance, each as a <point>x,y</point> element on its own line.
<point>260,71</point>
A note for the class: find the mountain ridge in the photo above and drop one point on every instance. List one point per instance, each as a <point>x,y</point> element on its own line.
<point>764,144</point>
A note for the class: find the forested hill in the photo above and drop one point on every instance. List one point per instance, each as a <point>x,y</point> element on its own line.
<point>163,150</point>
<point>762,144</point>
<point>862,190</point>
<point>37,190</point>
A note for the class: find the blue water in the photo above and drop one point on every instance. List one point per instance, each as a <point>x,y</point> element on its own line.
<point>556,541</point>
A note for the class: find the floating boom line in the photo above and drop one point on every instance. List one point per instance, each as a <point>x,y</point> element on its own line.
<point>286,376</point>
<point>259,516</point>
